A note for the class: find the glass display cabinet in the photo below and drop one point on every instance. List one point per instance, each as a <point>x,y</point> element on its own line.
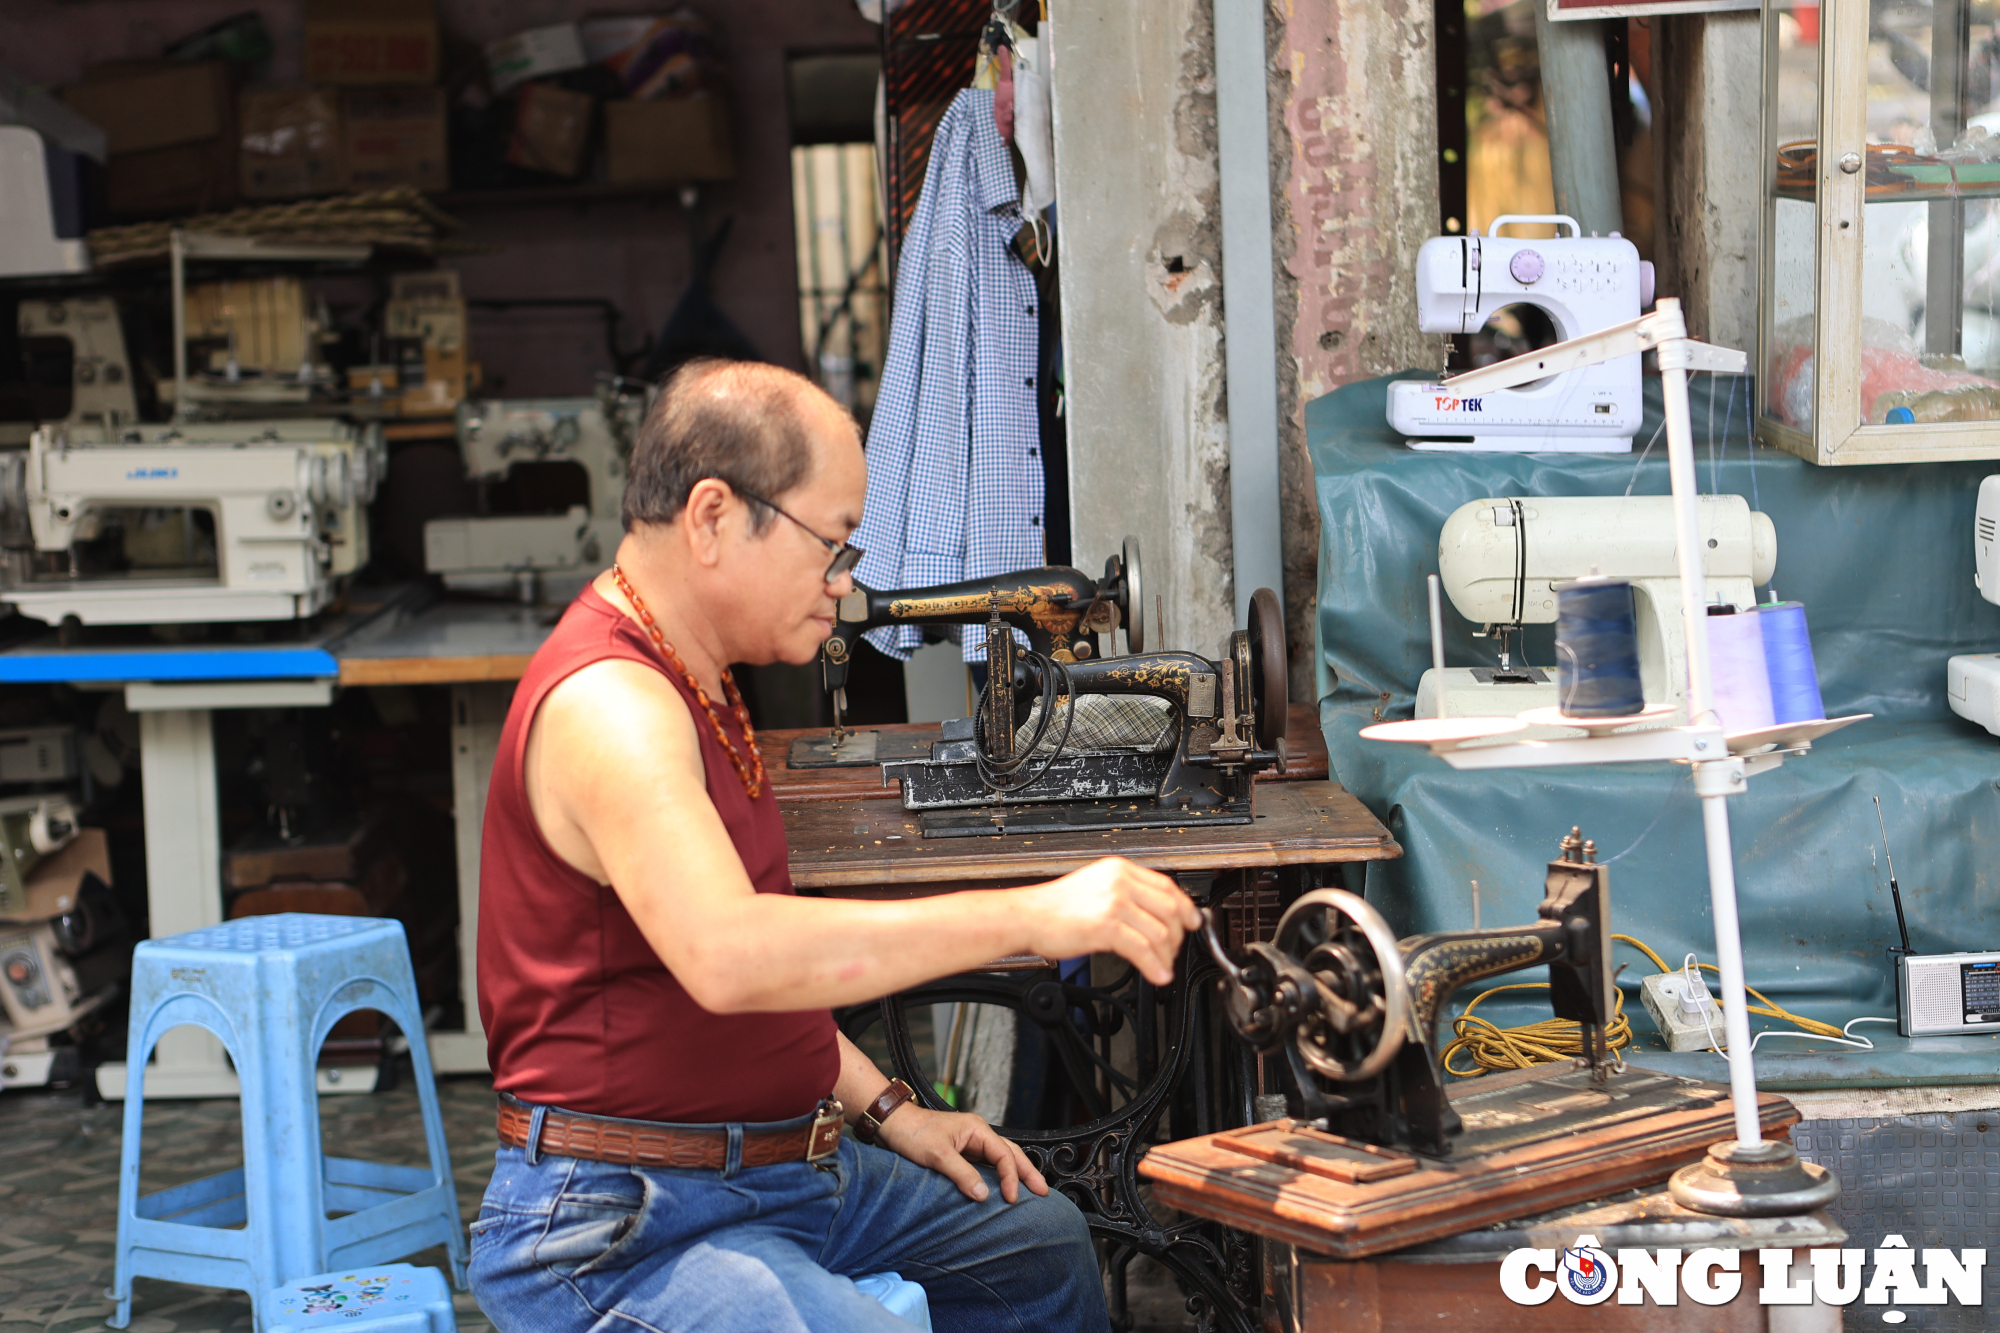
<point>1879,317</point>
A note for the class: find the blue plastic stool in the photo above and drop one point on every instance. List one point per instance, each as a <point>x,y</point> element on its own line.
<point>900,1297</point>
<point>364,1300</point>
<point>271,987</point>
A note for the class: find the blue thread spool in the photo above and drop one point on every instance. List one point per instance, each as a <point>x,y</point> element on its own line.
<point>1788,657</point>
<point>1597,649</point>
<point>1742,685</point>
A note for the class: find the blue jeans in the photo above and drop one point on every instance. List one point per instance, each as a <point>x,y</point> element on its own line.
<point>565,1244</point>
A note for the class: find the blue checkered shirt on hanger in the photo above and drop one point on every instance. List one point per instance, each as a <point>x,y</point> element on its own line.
<point>954,447</point>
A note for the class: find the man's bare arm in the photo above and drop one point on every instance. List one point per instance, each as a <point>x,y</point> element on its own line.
<point>616,782</point>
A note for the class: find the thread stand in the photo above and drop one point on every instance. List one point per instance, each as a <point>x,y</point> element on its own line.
<point>1747,1176</point>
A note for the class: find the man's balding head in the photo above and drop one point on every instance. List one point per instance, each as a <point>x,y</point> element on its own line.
<point>751,425</point>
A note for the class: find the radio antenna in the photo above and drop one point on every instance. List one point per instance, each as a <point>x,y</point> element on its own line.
<point>1895,893</point>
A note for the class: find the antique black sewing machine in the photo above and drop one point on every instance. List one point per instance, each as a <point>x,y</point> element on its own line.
<point>1382,1153</point>
<point>1065,614</point>
<point>1349,1003</point>
<point>1150,740</point>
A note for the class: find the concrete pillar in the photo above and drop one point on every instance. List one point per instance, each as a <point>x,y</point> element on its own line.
<point>1706,129</point>
<point>1353,113</point>
<point>1141,256</point>
<point>1576,90</point>
<point>1356,100</point>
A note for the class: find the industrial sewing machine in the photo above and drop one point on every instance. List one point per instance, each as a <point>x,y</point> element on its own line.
<point>210,521</point>
<point>1150,740</point>
<point>1382,1153</point>
<point>1064,614</point>
<point>101,394</point>
<point>1500,559</point>
<point>536,554</point>
<point>1582,284</point>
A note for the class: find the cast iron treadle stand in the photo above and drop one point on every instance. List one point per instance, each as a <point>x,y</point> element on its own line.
<point>1096,1164</point>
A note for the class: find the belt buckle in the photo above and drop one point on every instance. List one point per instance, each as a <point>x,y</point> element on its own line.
<point>824,1140</point>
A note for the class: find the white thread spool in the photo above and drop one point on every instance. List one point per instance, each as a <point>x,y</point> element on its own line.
<point>1742,682</point>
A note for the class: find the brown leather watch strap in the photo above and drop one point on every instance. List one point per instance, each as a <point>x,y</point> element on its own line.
<point>869,1126</point>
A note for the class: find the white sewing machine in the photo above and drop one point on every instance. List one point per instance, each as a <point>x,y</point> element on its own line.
<point>1583,284</point>
<point>215,521</point>
<point>538,553</point>
<point>1972,680</point>
<point>41,222</point>
<point>101,373</point>
<point>1500,560</point>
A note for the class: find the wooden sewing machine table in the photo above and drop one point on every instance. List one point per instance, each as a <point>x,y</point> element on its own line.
<point>869,847</point>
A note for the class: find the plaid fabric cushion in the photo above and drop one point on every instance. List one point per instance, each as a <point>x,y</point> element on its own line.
<point>1107,722</point>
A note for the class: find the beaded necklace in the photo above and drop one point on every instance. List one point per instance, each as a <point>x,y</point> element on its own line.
<point>752,773</point>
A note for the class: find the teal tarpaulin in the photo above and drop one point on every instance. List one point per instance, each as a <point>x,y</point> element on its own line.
<point>1882,559</point>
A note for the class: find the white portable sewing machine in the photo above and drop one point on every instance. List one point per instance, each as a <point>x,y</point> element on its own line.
<point>1583,284</point>
<point>1973,679</point>
<point>530,553</point>
<point>211,521</point>
<point>1500,560</point>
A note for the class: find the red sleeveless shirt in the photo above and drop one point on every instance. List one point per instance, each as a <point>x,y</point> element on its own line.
<point>579,1012</point>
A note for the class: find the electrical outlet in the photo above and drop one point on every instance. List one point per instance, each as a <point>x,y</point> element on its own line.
<point>1679,1012</point>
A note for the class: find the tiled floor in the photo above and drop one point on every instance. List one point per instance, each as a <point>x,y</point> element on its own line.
<point>59,1195</point>
<point>59,1200</point>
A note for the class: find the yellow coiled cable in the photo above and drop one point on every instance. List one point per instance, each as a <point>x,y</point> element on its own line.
<point>1492,1048</point>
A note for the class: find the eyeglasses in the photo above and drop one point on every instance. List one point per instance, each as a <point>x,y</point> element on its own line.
<point>846,555</point>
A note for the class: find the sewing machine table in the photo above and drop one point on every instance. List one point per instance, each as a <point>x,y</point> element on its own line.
<point>875,849</point>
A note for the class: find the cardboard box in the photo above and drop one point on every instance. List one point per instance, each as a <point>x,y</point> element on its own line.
<point>667,143</point>
<point>394,136</point>
<point>290,143</point>
<point>147,106</point>
<point>551,130</point>
<point>534,54</point>
<point>186,178</point>
<point>358,43</point>
<point>171,130</point>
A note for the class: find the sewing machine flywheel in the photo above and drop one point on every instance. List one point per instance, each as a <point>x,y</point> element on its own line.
<point>1362,1012</point>
<point>1266,631</point>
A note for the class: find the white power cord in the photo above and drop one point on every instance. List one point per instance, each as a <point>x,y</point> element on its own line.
<point>1846,1037</point>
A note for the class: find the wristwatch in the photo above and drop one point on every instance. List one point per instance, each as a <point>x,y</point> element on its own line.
<point>870,1124</point>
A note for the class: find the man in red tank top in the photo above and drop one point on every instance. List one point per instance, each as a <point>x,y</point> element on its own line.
<point>656,998</point>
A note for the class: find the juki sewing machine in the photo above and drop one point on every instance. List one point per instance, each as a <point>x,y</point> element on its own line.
<point>1500,559</point>
<point>1063,612</point>
<point>533,554</point>
<point>1380,1152</point>
<point>210,521</point>
<point>1150,740</point>
<point>1583,284</point>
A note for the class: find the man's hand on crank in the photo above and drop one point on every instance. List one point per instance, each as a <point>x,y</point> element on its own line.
<point>1112,906</point>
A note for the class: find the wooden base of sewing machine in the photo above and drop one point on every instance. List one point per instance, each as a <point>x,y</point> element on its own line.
<point>1315,1295</point>
<point>1534,1139</point>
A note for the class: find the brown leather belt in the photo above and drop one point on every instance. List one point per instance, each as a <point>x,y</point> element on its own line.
<point>599,1138</point>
